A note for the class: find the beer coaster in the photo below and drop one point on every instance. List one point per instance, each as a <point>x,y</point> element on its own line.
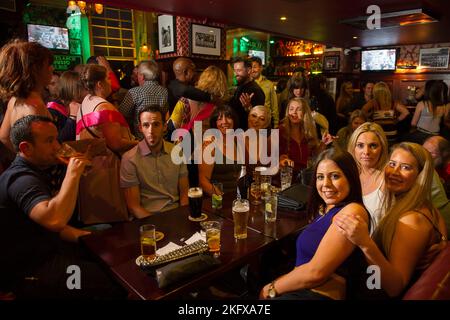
<point>159,235</point>
<point>203,217</point>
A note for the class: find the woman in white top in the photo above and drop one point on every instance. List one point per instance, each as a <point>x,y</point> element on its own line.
<point>428,113</point>
<point>369,147</point>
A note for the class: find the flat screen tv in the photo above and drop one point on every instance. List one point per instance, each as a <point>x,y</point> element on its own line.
<point>258,53</point>
<point>54,38</point>
<point>379,60</point>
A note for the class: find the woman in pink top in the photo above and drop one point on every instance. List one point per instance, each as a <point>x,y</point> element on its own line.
<point>98,118</point>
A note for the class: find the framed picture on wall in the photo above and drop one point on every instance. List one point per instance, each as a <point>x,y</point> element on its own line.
<point>205,40</point>
<point>434,58</point>
<point>331,63</point>
<point>166,33</point>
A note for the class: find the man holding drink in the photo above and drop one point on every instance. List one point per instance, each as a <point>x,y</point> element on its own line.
<point>34,219</point>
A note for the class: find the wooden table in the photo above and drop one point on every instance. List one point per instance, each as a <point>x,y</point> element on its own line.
<point>118,247</point>
<point>288,222</point>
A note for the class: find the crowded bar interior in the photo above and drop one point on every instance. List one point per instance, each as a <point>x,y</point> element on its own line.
<point>224,150</point>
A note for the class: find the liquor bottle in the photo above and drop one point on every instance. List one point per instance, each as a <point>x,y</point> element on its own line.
<point>242,184</point>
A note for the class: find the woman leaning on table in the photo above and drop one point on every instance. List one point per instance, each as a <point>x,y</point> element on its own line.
<point>324,255</point>
<point>403,241</point>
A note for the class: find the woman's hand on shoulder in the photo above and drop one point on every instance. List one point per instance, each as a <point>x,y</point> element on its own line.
<point>351,221</point>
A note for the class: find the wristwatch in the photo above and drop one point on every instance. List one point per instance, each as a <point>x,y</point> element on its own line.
<point>272,291</point>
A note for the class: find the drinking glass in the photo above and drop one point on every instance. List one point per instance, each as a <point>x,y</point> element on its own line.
<point>217,195</point>
<point>195,201</point>
<point>285,177</point>
<point>270,208</point>
<point>212,229</point>
<point>148,241</point>
<point>255,193</point>
<point>240,209</point>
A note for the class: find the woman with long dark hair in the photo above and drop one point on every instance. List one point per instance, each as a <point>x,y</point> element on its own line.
<point>323,253</point>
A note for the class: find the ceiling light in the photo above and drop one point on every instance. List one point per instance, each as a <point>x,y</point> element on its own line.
<point>355,37</point>
<point>283,18</point>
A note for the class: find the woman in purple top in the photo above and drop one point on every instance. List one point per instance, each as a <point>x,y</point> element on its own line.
<point>321,248</point>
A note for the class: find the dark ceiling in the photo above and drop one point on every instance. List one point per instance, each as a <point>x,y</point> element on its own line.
<point>316,20</point>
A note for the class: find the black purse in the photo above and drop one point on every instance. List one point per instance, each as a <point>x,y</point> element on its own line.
<point>183,269</point>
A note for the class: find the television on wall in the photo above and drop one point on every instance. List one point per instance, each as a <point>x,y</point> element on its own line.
<point>379,59</point>
<point>54,38</point>
<point>259,54</point>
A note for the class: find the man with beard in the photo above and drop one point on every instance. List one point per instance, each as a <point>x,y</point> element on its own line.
<point>248,94</point>
<point>268,88</point>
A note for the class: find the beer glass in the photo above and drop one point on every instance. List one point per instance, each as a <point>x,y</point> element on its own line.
<point>195,202</point>
<point>148,241</point>
<point>240,210</point>
<point>212,229</point>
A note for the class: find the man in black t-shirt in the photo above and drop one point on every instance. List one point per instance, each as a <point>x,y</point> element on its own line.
<point>34,217</point>
<point>248,93</point>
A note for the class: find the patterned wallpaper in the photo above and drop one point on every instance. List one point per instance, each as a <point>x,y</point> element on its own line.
<point>409,55</point>
<point>183,30</point>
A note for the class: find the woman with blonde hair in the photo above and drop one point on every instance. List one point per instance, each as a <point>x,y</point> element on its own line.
<point>384,111</point>
<point>357,118</point>
<point>187,111</point>
<point>369,147</point>
<point>411,225</point>
<point>298,136</point>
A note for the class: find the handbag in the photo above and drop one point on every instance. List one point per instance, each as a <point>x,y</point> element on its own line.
<point>100,199</point>
<point>180,270</point>
<point>295,197</point>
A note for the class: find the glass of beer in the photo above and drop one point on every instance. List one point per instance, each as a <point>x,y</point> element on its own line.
<point>148,241</point>
<point>195,202</point>
<point>241,208</point>
<point>212,229</point>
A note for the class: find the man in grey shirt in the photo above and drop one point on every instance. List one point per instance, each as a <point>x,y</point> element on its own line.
<point>149,92</point>
<point>152,182</point>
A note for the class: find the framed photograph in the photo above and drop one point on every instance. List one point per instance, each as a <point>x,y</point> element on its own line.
<point>434,58</point>
<point>331,63</point>
<point>166,33</point>
<point>205,40</point>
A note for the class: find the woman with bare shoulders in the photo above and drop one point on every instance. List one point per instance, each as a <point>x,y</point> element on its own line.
<point>98,118</point>
<point>25,70</point>
<point>410,227</point>
<point>369,146</point>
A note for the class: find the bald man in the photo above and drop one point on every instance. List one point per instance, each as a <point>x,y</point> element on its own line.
<point>182,86</point>
<point>439,149</point>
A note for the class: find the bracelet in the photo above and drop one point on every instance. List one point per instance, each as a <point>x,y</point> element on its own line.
<point>73,117</point>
